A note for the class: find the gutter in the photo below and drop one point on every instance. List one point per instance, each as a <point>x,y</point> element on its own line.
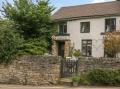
<point>84,17</point>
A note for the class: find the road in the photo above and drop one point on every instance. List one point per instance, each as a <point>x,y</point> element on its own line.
<point>32,87</point>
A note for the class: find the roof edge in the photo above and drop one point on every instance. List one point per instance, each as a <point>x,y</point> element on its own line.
<point>90,4</point>
<point>85,17</point>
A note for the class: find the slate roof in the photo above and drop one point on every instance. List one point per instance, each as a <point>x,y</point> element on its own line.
<point>88,10</point>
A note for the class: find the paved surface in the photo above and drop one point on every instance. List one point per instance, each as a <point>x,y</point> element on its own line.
<point>32,87</point>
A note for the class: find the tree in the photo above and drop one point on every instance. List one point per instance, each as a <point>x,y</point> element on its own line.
<point>32,21</point>
<point>34,47</point>
<point>112,43</point>
<point>10,42</point>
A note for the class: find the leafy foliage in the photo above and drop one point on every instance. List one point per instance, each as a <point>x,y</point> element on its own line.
<point>112,43</point>
<point>34,47</point>
<point>76,79</point>
<point>103,77</point>
<point>33,22</point>
<point>10,42</point>
<point>71,51</point>
<point>32,19</point>
<point>77,53</point>
<point>82,79</point>
<point>99,77</point>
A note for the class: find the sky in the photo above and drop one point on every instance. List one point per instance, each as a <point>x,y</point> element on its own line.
<point>63,3</point>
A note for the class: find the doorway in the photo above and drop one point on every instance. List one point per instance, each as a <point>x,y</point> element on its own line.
<point>61,49</point>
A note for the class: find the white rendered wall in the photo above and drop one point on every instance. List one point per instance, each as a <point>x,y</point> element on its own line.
<point>97,26</point>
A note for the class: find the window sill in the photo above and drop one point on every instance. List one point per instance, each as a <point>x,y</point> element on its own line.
<point>63,34</point>
<point>84,32</point>
<point>102,33</point>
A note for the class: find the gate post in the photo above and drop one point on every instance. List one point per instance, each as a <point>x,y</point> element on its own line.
<point>61,67</point>
<point>77,65</point>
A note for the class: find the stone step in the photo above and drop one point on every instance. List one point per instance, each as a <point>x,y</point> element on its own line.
<point>65,81</point>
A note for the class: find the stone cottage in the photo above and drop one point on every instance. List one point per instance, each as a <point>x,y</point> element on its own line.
<point>83,27</point>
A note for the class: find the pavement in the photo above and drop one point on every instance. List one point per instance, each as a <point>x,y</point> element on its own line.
<point>56,87</point>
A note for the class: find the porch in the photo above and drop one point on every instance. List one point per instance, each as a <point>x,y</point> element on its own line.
<point>61,45</point>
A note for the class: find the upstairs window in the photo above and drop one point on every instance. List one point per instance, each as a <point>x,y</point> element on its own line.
<point>110,24</point>
<point>85,27</point>
<point>62,28</point>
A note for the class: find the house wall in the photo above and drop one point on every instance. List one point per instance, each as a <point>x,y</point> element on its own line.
<point>97,26</point>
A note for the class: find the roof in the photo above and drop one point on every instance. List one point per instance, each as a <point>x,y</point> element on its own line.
<point>88,10</point>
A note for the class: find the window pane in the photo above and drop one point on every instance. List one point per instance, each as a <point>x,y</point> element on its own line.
<point>62,28</point>
<point>89,42</point>
<point>65,28</point>
<point>82,28</point>
<point>85,42</point>
<point>84,50</point>
<point>110,24</point>
<point>89,50</point>
<point>113,24</point>
<point>85,27</point>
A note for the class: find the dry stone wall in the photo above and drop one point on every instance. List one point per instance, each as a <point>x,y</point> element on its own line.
<point>31,70</point>
<point>86,64</point>
<point>45,70</point>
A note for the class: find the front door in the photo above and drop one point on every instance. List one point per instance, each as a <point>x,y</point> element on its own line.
<point>61,49</point>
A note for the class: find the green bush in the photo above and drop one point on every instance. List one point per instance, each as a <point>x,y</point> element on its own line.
<point>84,79</point>
<point>34,47</point>
<point>104,77</point>
<point>99,77</point>
<point>76,79</point>
<point>77,53</point>
<point>10,42</point>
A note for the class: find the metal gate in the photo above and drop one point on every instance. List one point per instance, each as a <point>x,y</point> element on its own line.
<point>69,68</point>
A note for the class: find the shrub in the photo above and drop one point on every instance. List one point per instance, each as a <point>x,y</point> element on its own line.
<point>10,43</point>
<point>76,79</point>
<point>77,53</point>
<point>99,77</point>
<point>84,79</point>
<point>34,47</point>
<point>104,77</point>
<point>71,51</point>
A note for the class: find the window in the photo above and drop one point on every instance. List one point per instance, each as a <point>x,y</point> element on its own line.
<point>111,52</point>
<point>110,55</point>
<point>62,28</point>
<point>85,27</point>
<point>87,47</point>
<point>110,24</point>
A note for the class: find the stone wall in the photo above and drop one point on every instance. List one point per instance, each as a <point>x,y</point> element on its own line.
<point>67,48</point>
<point>86,64</point>
<point>31,70</point>
<point>55,48</point>
<point>36,70</point>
